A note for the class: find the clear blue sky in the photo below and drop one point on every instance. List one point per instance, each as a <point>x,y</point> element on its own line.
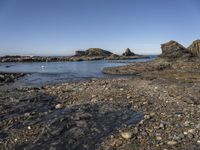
<point>59,27</point>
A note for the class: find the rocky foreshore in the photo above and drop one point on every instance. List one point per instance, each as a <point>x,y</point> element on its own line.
<point>10,77</point>
<point>157,107</point>
<point>88,55</point>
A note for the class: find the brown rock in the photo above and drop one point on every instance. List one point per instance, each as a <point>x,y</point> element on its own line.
<point>173,49</point>
<point>194,48</point>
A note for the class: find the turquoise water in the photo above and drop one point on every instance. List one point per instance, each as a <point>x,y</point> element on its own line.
<point>56,72</point>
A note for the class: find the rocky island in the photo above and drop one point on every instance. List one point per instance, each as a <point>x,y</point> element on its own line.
<point>156,107</point>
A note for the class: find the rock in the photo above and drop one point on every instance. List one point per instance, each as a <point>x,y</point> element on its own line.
<point>191,131</point>
<point>173,49</point>
<point>93,96</point>
<point>186,123</point>
<point>128,53</point>
<point>177,138</point>
<point>127,135</point>
<point>59,106</point>
<point>194,48</point>
<point>162,126</point>
<point>152,114</point>
<point>171,143</point>
<point>190,136</point>
<point>147,117</point>
<point>158,138</point>
<point>79,53</point>
<point>2,77</point>
<point>97,52</point>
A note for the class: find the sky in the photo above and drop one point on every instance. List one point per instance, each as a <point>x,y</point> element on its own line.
<point>59,27</point>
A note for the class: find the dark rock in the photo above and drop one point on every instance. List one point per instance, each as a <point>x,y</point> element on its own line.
<point>173,49</point>
<point>194,48</point>
<point>97,52</point>
<point>128,53</point>
<point>10,77</point>
<point>79,53</point>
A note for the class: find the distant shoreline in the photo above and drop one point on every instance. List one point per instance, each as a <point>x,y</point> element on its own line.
<point>67,58</point>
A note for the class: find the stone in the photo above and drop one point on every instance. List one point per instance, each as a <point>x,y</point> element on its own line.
<point>158,138</point>
<point>59,106</point>
<point>173,49</point>
<point>171,143</point>
<point>191,131</point>
<point>194,48</point>
<point>190,136</point>
<point>97,52</point>
<point>128,53</point>
<point>186,123</point>
<point>127,135</point>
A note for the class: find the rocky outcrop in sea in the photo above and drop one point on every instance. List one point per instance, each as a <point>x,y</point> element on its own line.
<point>128,52</point>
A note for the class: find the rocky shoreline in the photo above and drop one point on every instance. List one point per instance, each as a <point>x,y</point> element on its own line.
<point>10,77</point>
<point>158,107</point>
<point>88,55</point>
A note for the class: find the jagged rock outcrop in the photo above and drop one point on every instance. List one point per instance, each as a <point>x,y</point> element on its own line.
<point>128,53</point>
<point>79,53</point>
<point>194,48</point>
<point>173,49</point>
<point>97,52</point>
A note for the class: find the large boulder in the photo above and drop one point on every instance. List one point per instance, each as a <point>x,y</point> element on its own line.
<point>194,48</point>
<point>173,49</point>
<point>97,52</point>
<point>128,53</point>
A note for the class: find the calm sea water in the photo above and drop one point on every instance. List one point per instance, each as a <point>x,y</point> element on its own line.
<point>56,72</point>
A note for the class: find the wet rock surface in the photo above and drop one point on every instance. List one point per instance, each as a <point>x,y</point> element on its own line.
<point>10,77</point>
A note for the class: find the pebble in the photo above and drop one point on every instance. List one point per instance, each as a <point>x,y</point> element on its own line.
<point>186,124</point>
<point>158,138</point>
<point>59,106</point>
<point>127,135</point>
<point>191,131</point>
<point>152,114</point>
<point>93,96</point>
<point>171,143</point>
<point>162,126</point>
<point>129,97</point>
<point>147,117</point>
<point>190,136</point>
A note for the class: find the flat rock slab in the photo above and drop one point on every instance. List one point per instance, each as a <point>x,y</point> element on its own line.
<point>82,126</point>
